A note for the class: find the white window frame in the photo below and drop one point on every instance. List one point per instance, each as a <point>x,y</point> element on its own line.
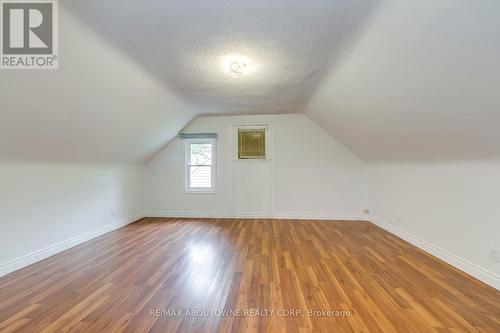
<point>187,152</point>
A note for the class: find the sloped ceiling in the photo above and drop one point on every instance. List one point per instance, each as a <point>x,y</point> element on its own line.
<point>422,84</point>
<point>98,107</point>
<point>133,73</point>
<point>394,80</point>
<point>289,45</point>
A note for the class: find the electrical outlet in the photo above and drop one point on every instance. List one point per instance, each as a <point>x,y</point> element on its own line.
<point>113,213</point>
<point>495,255</point>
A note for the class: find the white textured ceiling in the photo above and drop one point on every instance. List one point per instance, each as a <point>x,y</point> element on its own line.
<point>290,44</point>
<point>394,80</point>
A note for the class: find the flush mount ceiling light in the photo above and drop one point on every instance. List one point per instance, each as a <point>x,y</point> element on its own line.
<point>237,66</point>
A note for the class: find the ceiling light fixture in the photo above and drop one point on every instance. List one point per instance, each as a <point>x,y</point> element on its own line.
<point>236,69</point>
<point>237,66</point>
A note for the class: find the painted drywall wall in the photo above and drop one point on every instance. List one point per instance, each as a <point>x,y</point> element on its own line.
<point>452,206</point>
<point>45,208</point>
<point>312,175</point>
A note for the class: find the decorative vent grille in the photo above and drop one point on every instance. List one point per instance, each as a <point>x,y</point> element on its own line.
<point>252,144</point>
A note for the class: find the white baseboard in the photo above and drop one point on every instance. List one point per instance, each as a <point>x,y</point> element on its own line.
<point>186,214</point>
<point>49,251</point>
<point>474,270</point>
<point>322,216</point>
<point>253,215</point>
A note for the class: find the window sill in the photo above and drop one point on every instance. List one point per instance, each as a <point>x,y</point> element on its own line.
<point>199,192</point>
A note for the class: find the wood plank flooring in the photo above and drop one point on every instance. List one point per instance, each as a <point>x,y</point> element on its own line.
<point>267,275</point>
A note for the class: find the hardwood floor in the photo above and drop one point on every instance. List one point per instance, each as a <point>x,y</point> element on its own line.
<point>132,280</point>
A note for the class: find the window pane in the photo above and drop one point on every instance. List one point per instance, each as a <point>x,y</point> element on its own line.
<point>252,144</point>
<point>200,176</point>
<point>200,154</point>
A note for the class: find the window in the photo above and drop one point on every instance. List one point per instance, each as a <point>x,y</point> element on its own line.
<point>252,143</point>
<point>200,165</point>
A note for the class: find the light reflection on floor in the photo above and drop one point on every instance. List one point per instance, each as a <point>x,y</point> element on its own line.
<point>201,269</point>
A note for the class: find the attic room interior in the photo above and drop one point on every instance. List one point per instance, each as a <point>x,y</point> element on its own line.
<point>250,166</point>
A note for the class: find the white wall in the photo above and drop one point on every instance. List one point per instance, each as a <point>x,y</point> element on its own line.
<point>60,130</point>
<point>449,209</point>
<point>46,208</point>
<point>418,94</point>
<point>314,175</point>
